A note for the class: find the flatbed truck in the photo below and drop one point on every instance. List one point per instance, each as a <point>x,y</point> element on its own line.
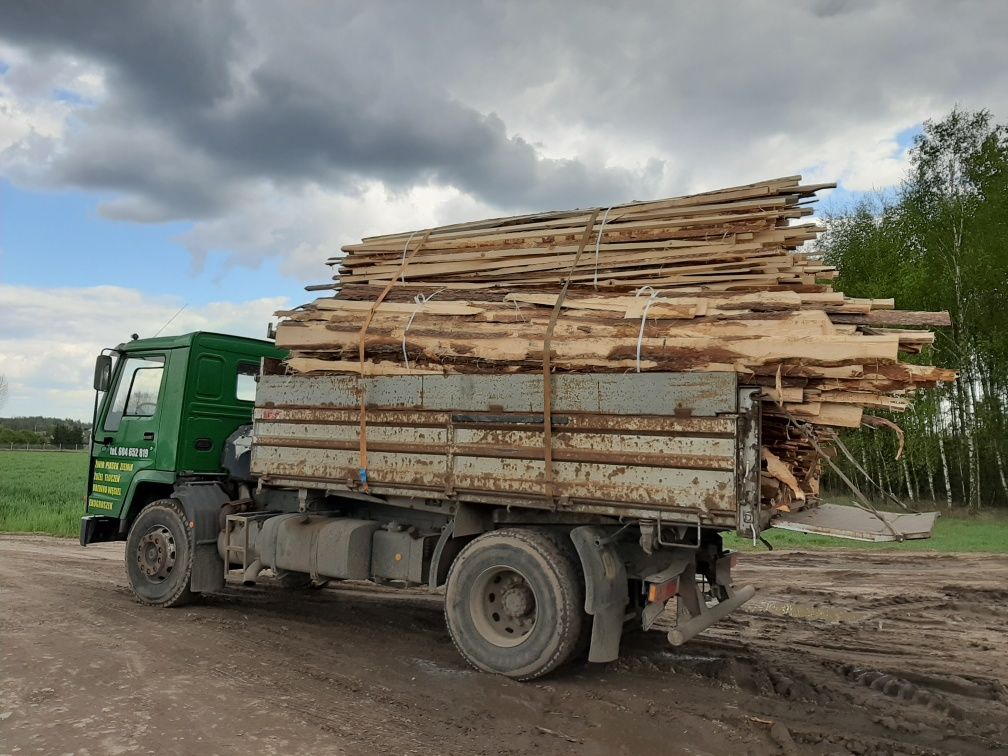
<point>547,533</point>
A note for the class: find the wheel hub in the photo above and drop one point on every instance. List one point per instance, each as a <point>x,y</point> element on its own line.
<point>518,601</point>
<point>156,553</point>
<point>503,606</point>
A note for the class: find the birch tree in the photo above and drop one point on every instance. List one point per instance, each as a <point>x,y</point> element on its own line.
<point>941,243</point>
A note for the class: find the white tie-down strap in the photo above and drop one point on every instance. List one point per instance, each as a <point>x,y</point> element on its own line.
<point>420,300</point>
<point>651,300</point>
<point>598,240</point>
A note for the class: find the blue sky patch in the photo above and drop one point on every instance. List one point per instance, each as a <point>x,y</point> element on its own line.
<point>59,239</point>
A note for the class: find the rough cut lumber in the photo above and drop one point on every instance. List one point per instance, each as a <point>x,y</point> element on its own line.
<point>779,470</point>
<point>896,318</point>
<point>717,281</point>
<point>310,365</point>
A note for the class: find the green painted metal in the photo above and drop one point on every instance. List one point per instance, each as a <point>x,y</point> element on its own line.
<point>172,404</point>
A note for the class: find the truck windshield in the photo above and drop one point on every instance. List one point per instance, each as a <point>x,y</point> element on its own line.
<point>137,391</point>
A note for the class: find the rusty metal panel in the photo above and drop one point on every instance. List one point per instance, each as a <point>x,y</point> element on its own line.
<point>350,433</point>
<point>625,443</point>
<point>681,394</point>
<point>621,444</point>
<point>660,425</point>
<point>338,391</point>
<point>702,489</point>
<point>341,465</point>
<point>649,487</point>
<point>684,394</point>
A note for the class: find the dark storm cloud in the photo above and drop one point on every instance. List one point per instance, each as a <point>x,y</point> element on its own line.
<point>196,107</point>
<point>207,101</point>
<point>163,62</point>
<point>164,53</point>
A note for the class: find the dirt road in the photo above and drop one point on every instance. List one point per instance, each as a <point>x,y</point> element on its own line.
<point>838,653</point>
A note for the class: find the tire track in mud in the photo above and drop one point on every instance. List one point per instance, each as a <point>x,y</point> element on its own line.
<point>917,638</point>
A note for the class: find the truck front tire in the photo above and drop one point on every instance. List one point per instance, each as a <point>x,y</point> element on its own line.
<point>514,602</point>
<point>159,555</point>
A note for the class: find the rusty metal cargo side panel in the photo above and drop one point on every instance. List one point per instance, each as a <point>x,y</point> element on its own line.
<point>650,444</point>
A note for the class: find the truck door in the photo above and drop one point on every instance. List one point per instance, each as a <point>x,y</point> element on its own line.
<point>126,436</point>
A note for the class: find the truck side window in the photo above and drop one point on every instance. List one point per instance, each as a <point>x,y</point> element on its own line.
<point>137,391</point>
<point>245,388</point>
<point>144,394</point>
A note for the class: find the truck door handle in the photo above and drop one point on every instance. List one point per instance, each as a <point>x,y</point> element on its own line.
<point>107,440</point>
<point>149,436</point>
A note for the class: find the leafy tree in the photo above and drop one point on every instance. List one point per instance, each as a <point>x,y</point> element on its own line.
<point>68,434</point>
<point>20,437</point>
<point>942,244</point>
<point>39,430</point>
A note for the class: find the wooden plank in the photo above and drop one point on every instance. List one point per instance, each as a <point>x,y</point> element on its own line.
<point>313,365</point>
<point>895,318</point>
<point>429,307</point>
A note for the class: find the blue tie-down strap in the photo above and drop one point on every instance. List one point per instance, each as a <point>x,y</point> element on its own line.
<point>363,477</point>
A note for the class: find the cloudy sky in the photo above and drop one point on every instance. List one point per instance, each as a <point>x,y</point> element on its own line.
<point>161,155</point>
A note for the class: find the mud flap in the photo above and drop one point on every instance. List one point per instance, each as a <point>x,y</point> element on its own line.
<point>605,591</point>
<point>857,524</point>
<point>202,503</point>
<point>98,529</point>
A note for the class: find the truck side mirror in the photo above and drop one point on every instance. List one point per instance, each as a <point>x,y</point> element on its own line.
<point>103,372</point>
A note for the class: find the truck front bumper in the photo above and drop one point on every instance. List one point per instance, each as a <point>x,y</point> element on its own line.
<point>98,529</point>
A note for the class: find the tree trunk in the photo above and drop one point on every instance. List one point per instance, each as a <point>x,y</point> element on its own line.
<point>945,468</point>
<point>917,493</point>
<point>969,418</point>
<point>957,430</point>
<point>994,399</point>
<point>1001,471</point>
<point>867,470</point>
<point>906,476</point>
<point>929,469</point>
<point>883,478</point>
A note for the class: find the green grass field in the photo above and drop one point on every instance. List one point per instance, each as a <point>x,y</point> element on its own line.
<point>43,492</point>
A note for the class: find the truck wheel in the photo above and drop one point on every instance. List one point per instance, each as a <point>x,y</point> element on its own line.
<point>159,554</point>
<point>514,603</point>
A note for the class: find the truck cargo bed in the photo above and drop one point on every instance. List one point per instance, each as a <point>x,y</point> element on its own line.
<point>682,447</point>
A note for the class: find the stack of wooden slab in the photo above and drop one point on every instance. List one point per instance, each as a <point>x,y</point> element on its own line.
<point>710,282</point>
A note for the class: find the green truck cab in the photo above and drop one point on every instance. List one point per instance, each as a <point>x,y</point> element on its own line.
<point>164,409</point>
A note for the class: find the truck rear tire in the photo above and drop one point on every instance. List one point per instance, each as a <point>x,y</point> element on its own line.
<point>159,555</point>
<point>514,603</point>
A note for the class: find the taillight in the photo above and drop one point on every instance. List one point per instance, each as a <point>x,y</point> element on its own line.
<point>662,592</point>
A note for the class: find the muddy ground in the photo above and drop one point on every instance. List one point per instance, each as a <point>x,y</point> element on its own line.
<point>839,652</point>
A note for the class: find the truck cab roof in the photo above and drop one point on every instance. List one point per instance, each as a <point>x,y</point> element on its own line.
<point>185,340</point>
